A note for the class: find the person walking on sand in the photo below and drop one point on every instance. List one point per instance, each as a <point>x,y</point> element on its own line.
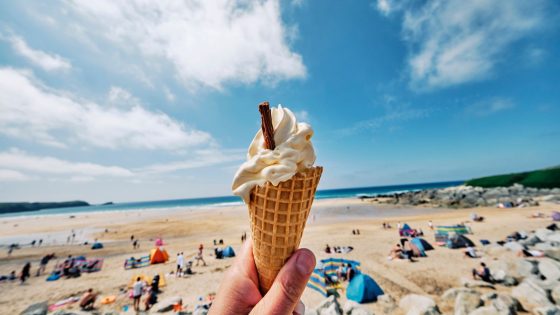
<point>137,289</point>
<point>180,264</point>
<point>431,225</point>
<point>199,255</point>
<point>43,264</point>
<point>25,272</point>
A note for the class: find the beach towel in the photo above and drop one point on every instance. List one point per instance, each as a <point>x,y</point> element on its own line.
<point>555,216</point>
<point>146,279</point>
<point>108,299</point>
<point>143,261</point>
<point>53,276</point>
<point>457,229</point>
<point>62,303</point>
<point>91,265</point>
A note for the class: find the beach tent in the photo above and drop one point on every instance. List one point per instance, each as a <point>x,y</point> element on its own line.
<point>158,255</point>
<point>418,247</point>
<point>362,289</point>
<point>457,229</point>
<point>146,279</point>
<point>132,262</point>
<point>427,246</point>
<point>96,245</point>
<point>459,241</point>
<point>331,265</point>
<point>406,230</point>
<point>159,242</point>
<point>228,252</point>
<point>555,215</point>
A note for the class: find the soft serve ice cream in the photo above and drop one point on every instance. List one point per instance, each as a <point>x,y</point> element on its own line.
<point>293,153</point>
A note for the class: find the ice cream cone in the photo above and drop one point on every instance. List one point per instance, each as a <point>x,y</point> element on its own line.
<point>278,215</point>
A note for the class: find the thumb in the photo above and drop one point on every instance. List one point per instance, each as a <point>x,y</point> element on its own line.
<point>284,295</point>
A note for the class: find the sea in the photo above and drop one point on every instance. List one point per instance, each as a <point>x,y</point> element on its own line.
<point>225,201</point>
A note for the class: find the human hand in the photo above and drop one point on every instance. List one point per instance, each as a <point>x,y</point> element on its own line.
<point>239,292</point>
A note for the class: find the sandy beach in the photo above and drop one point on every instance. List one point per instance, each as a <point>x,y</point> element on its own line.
<point>331,221</point>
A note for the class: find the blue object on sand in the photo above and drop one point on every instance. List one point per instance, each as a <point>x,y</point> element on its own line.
<point>362,289</point>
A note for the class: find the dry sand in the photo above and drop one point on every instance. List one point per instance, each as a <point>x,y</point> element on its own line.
<point>331,221</point>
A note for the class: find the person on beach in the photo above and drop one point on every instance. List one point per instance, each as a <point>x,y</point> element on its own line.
<point>137,289</point>
<point>88,300</point>
<point>470,252</point>
<point>483,273</point>
<point>407,252</point>
<point>180,264</point>
<point>431,225</point>
<point>43,263</point>
<point>327,249</point>
<point>239,291</point>
<point>396,252</point>
<point>199,256</point>
<point>151,299</point>
<point>25,273</point>
<point>40,242</point>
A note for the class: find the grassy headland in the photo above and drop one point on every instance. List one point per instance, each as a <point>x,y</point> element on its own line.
<point>545,178</point>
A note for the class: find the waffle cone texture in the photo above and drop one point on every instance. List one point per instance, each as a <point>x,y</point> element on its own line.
<point>278,215</point>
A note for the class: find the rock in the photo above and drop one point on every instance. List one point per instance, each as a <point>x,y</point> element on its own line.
<point>487,310</point>
<point>467,302</point>
<point>387,303</point>
<point>511,271</point>
<point>543,234</point>
<point>547,310</point>
<point>200,311</point>
<point>167,304</point>
<point>545,246</point>
<point>550,269</point>
<point>311,311</point>
<point>530,241</point>
<point>555,294</point>
<point>553,253</point>
<point>530,295</point>
<point>329,306</point>
<point>36,309</point>
<point>487,297</point>
<point>414,304</point>
<point>506,304</point>
<point>514,246</point>
<point>448,297</point>
<point>353,308</point>
<point>553,238</point>
<point>476,284</point>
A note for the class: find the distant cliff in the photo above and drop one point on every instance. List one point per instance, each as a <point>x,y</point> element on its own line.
<point>545,178</point>
<point>12,207</point>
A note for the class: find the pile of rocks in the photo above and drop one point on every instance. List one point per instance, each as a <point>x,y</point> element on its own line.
<point>468,197</point>
<point>522,285</point>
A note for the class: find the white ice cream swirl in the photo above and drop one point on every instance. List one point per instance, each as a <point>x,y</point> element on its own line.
<point>293,153</point>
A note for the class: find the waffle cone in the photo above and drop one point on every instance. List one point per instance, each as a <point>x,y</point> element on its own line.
<point>278,215</point>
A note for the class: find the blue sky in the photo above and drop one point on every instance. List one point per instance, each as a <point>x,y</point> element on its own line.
<point>126,100</point>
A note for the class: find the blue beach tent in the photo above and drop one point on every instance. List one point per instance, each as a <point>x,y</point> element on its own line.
<point>362,289</point>
<point>228,252</point>
<point>97,245</point>
<point>319,280</point>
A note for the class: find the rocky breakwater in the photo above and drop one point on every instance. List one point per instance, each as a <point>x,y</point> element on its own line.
<point>469,197</point>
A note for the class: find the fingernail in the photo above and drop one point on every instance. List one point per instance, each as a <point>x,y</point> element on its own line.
<point>305,262</point>
<point>300,308</point>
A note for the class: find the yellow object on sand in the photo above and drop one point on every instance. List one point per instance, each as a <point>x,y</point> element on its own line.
<point>108,299</point>
<point>146,279</point>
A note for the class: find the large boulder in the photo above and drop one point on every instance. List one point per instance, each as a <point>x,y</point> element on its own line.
<point>550,269</point>
<point>555,294</point>
<point>530,295</point>
<point>167,304</point>
<point>514,246</point>
<point>36,309</point>
<point>466,302</point>
<point>486,310</point>
<point>554,237</point>
<point>552,252</point>
<point>518,269</point>
<point>506,304</point>
<point>354,308</point>
<point>543,234</point>
<point>448,297</point>
<point>329,306</point>
<point>547,310</point>
<point>469,283</point>
<point>414,304</point>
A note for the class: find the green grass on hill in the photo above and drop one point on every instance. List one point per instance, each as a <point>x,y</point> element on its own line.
<point>546,178</point>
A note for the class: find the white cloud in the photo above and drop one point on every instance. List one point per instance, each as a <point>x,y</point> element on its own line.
<point>34,112</point>
<point>12,176</point>
<point>201,158</point>
<point>17,160</point>
<point>209,43</point>
<point>453,42</point>
<point>46,61</point>
<point>489,107</point>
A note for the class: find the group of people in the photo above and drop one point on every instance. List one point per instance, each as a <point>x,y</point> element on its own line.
<point>182,268</point>
<point>402,250</point>
<point>356,232</point>
<point>338,249</point>
<point>140,287</point>
<point>243,237</point>
<point>135,242</point>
